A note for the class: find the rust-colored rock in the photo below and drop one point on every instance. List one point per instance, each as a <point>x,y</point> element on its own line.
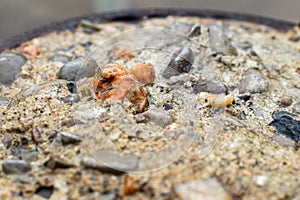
<point>30,50</point>
<point>115,84</point>
<point>129,186</point>
<point>114,70</point>
<point>144,73</point>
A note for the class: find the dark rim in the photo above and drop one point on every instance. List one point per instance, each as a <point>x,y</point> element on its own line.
<point>134,15</point>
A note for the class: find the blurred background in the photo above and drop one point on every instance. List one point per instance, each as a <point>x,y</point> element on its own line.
<point>17,16</point>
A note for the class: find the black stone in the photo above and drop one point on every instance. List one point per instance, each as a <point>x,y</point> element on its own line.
<point>285,124</point>
<point>44,191</point>
<point>246,97</point>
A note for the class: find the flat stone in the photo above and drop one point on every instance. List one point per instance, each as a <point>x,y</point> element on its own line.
<point>10,67</point>
<point>211,86</point>
<point>69,138</point>
<point>15,166</point>
<point>78,69</point>
<point>218,40</point>
<point>181,62</point>
<point>253,82</point>
<point>202,190</point>
<point>284,141</point>
<point>111,162</point>
<point>55,162</point>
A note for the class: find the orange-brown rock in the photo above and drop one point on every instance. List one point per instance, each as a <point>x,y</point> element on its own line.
<point>30,50</point>
<point>115,84</point>
<point>144,73</point>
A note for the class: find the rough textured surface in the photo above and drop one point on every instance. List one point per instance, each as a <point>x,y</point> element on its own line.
<point>235,146</point>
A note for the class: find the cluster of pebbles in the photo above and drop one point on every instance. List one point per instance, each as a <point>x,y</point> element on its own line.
<point>58,102</point>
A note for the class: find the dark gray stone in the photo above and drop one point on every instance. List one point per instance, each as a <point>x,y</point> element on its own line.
<point>15,166</point>
<point>111,162</point>
<point>181,62</point>
<point>69,138</point>
<point>253,82</point>
<point>10,67</point>
<point>78,69</point>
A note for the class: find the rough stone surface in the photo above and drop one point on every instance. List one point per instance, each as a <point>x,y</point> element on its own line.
<point>253,82</point>
<point>10,67</point>
<point>296,108</point>
<point>15,166</point>
<point>78,69</point>
<point>158,116</point>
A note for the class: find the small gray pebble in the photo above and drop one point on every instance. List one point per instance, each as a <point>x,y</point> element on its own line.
<point>253,82</point>
<point>210,85</point>
<point>10,67</point>
<point>29,156</point>
<point>78,69</point>
<point>218,40</point>
<point>140,118</point>
<point>15,166</point>
<point>69,138</point>
<point>60,58</point>
<point>71,99</point>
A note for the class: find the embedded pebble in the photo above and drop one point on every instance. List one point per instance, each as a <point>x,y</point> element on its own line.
<point>78,69</point>
<point>55,162</point>
<point>144,73</point>
<point>10,67</point>
<point>285,124</point>
<point>71,99</point>
<point>30,50</point>
<point>284,141</point>
<point>296,108</point>
<point>181,62</point>
<point>45,191</point>
<point>60,58</point>
<point>158,116</point>
<point>28,155</point>
<point>286,101</point>
<point>111,162</point>
<point>202,190</point>
<point>15,166</point>
<point>218,40</point>
<point>189,29</point>
<point>253,82</point>
<point>211,86</point>
<point>69,138</point>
